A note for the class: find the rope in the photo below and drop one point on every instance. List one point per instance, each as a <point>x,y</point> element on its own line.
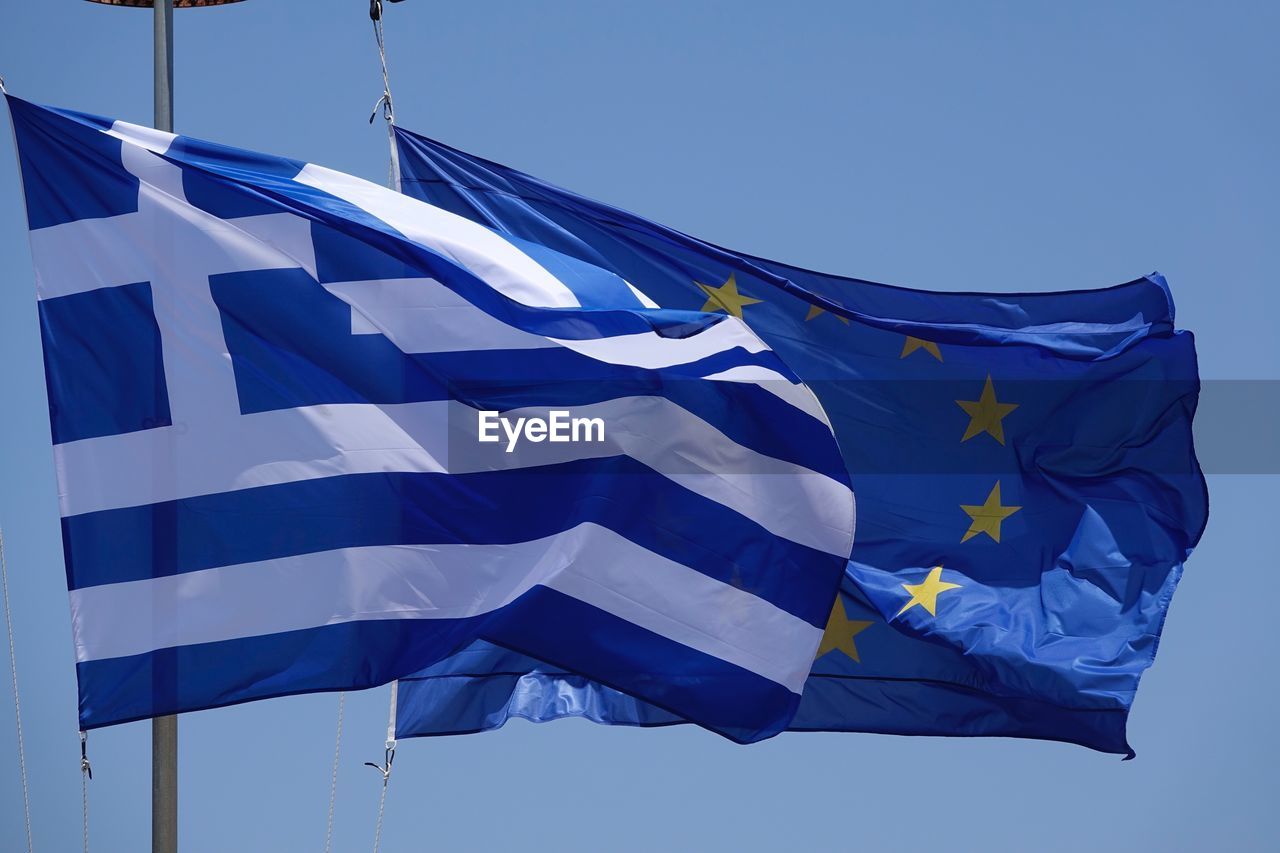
<point>385,102</point>
<point>17,702</point>
<point>382,806</point>
<point>389,757</point>
<point>86,774</point>
<point>333,782</point>
<point>393,182</point>
<point>84,810</point>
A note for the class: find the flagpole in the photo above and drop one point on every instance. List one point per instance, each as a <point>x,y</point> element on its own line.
<point>164,730</point>
<point>163,65</point>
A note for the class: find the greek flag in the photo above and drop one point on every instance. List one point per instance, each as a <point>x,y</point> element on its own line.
<point>268,384</point>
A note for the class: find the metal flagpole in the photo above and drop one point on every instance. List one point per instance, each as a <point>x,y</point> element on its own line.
<point>164,65</point>
<point>164,730</point>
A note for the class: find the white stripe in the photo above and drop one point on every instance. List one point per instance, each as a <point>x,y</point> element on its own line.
<point>170,463</point>
<point>797,394</point>
<point>421,315</point>
<point>497,262</point>
<point>157,141</point>
<point>650,350</point>
<point>640,294</point>
<point>588,562</point>
<point>91,253</point>
<point>137,156</point>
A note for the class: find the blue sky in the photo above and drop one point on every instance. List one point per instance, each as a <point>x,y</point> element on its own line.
<point>996,146</point>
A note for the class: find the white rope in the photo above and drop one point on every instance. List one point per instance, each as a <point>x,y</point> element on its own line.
<point>389,757</point>
<point>17,702</point>
<point>393,182</point>
<point>382,807</point>
<point>86,774</point>
<point>84,810</point>
<point>385,102</point>
<point>385,770</point>
<point>333,782</point>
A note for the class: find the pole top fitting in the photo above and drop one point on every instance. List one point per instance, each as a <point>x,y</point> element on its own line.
<point>177,4</point>
<point>375,8</point>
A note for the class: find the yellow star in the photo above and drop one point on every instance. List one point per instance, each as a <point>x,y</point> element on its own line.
<point>726,297</point>
<point>986,413</point>
<point>814,311</point>
<point>986,518</point>
<point>840,633</point>
<point>911,344</point>
<point>926,592</point>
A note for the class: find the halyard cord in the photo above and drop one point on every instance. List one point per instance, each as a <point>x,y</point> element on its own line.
<point>385,102</point>
<point>17,702</point>
<point>86,774</point>
<point>389,757</point>
<point>393,183</point>
<point>385,770</point>
<point>333,782</point>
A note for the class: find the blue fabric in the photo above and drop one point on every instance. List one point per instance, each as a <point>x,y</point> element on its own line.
<point>1048,629</point>
<point>108,377</point>
<point>291,344</point>
<point>62,183</point>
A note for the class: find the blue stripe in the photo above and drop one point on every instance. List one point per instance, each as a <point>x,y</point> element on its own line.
<point>491,507</point>
<point>349,656</point>
<point>341,257</point>
<point>356,655</point>
<point>221,198</point>
<point>716,694</point>
<point>291,346</point>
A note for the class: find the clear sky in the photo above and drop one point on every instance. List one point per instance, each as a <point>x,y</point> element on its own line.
<point>966,146</point>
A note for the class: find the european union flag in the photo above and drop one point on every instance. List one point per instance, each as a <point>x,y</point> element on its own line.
<point>1023,465</point>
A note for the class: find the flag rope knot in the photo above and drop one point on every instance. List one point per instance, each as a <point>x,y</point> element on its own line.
<point>85,767</point>
<point>389,756</point>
